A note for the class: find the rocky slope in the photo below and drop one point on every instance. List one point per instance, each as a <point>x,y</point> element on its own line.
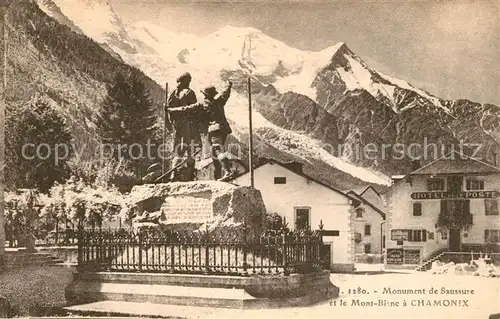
<point>57,63</point>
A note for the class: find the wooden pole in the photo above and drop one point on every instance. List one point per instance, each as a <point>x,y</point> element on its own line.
<point>250,131</point>
<point>3,47</point>
<point>163,166</point>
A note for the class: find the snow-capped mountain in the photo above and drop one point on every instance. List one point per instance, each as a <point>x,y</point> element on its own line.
<point>318,106</point>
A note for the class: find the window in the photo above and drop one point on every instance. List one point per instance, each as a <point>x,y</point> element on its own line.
<point>490,206</point>
<point>280,180</point>
<point>368,230</point>
<point>444,234</point>
<point>492,236</point>
<point>368,248</point>
<point>435,184</point>
<point>474,184</point>
<point>359,212</point>
<point>418,235</point>
<point>417,209</point>
<point>302,218</point>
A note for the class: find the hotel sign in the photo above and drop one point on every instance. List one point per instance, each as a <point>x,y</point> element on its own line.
<point>446,195</point>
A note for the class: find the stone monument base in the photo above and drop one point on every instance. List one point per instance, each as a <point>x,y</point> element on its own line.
<point>203,291</point>
<point>199,205</point>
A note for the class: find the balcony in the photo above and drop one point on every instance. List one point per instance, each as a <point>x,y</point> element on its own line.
<point>455,214</point>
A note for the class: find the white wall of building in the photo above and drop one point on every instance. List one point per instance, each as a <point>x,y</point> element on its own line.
<point>400,214</point>
<point>326,205</point>
<point>374,219</point>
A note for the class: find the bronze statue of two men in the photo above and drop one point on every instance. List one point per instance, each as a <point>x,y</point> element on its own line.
<point>191,121</point>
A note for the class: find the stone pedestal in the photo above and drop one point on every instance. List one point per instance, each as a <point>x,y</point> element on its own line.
<point>200,205</point>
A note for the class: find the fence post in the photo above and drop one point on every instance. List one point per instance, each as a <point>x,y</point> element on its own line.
<point>285,253</point>
<point>245,243</point>
<point>207,250</point>
<point>80,246</point>
<point>172,253</point>
<point>140,248</point>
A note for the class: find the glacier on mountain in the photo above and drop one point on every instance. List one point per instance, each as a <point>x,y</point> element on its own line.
<point>163,55</point>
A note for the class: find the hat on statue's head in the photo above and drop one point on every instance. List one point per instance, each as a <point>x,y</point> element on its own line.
<point>184,77</point>
<point>209,91</point>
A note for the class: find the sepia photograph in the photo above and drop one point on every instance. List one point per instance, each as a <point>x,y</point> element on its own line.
<point>250,159</point>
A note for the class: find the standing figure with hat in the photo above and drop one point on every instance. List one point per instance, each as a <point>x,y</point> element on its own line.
<point>185,127</point>
<point>216,125</point>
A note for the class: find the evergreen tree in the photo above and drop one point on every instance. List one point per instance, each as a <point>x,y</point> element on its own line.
<point>38,146</point>
<point>126,121</point>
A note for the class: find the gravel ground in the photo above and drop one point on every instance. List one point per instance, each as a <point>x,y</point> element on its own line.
<point>35,291</point>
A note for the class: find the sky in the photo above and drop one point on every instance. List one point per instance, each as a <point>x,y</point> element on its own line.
<point>449,48</point>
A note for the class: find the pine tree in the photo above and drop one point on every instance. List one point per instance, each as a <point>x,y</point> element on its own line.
<point>34,135</point>
<point>126,121</point>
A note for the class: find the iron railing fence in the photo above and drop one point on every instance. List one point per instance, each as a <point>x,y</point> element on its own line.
<point>170,251</point>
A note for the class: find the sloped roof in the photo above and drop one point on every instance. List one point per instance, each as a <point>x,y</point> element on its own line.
<point>366,202</point>
<point>456,163</point>
<point>361,190</point>
<point>265,161</point>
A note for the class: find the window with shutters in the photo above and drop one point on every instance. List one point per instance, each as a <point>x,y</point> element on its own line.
<point>417,235</point>
<point>474,184</point>
<point>435,184</point>
<point>491,206</point>
<point>492,236</point>
<point>417,209</point>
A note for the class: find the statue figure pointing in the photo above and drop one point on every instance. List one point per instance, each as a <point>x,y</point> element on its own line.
<point>215,124</point>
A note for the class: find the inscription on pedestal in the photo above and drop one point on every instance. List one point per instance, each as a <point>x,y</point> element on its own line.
<point>187,209</point>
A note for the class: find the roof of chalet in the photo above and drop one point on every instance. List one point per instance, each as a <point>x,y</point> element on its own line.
<point>265,161</point>
<point>366,202</point>
<point>456,163</point>
<point>361,190</point>
<point>452,163</point>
